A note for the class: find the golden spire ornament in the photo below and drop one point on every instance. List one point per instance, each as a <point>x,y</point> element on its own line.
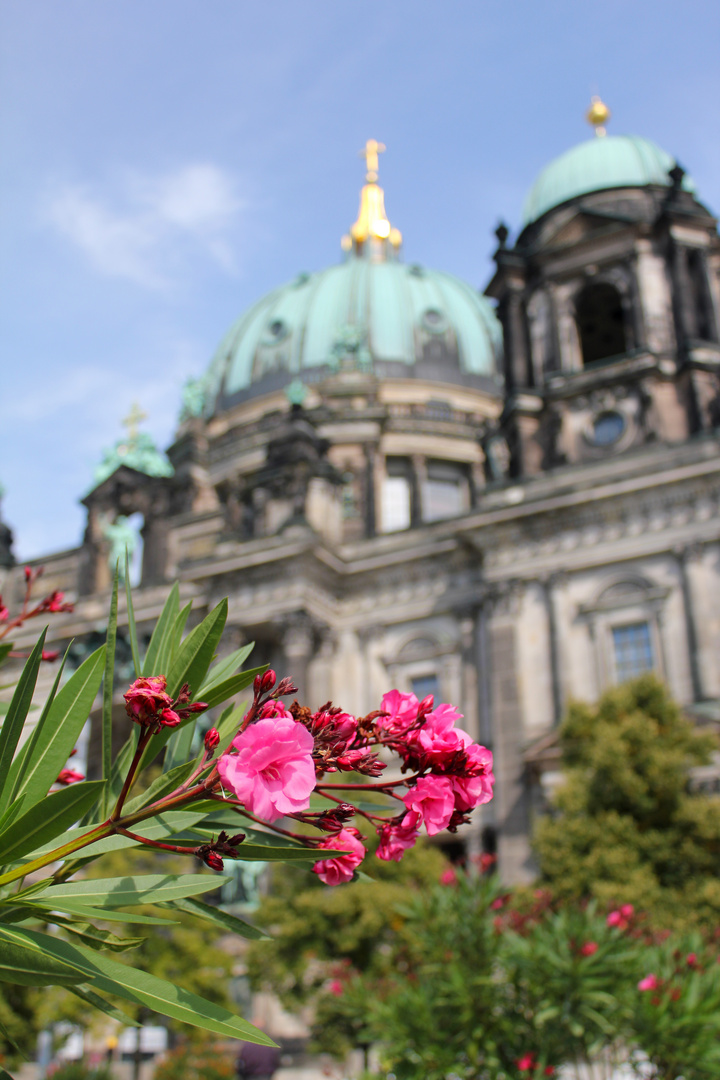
<point>372,224</point>
<point>598,115</point>
<point>132,421</point>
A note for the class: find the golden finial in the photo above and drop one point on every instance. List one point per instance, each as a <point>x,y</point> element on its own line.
<point>133,419</point>
<point>370,153</point>
<point>372,223</point>
<point>598,115</point>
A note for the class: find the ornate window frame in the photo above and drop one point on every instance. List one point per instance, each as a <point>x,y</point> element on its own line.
<point>624,600</point>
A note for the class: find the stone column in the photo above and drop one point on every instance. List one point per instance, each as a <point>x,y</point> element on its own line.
<point>417,488</point>
<point>512,794</point>
<point>684,555</point>
<point>370,481</point>
<point>298,647</point>
<point>548,585</point>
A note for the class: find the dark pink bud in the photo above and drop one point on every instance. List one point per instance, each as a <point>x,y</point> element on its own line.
<point>50,655</point>
<point>213,860</point>
<point>285,686</point>
<point>69,776</point>
<point>28,573</point>
<point>257,684</point>
<point>268,680</point>
<point>197,706</point>
<point>169,718</point>
<point>426,705</point>
<point>212,739</point>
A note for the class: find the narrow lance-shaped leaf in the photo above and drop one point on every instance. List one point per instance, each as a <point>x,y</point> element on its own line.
<point>56,735</point>
<point>47,819</point>
<point>28,964</point>
<point>91,998</point>
<point>158,651</point>
<point>226,667</point>
<point>93,914</point>
<point>16,716</point>
<point>11,813</point>
<point>140,987</point>
<point>194,656</point>
<point>229,687</point>
<point>131,889</point>
<point>109,680</point>
<point>132,629</point>
<point>217,917</point>
<point>161,785</point>
<point>21,757</point>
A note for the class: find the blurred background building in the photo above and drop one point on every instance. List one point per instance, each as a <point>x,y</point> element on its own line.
<point>507,499</point>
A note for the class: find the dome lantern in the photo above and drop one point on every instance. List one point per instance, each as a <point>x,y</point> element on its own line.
<point>371,234</point>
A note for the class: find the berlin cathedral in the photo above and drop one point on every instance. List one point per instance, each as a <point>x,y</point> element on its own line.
<point>509,499</point>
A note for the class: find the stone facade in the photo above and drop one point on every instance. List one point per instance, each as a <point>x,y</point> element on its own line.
<point>508,548</point>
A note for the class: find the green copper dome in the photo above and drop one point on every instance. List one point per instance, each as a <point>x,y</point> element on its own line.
<point>612,161</point>
<point>373,314</point>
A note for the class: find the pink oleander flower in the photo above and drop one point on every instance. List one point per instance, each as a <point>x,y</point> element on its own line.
<point>438,736</point>
<point>434,800</point>
<point>589,948</point>
<point>275,708</point>
<point>650,982</point>
<point>341,869</point>
<point>395,840</point>
<point>146,698</point>
<point>69,776</point>
<point>475,788</point>
<point>402,710</point>
<point>627,911</point>
<point>272,771</point>
<point>449,876</point>
<point>336,988</point>
<point>526,1063</point>
<point>691,960</point>
<point>616,919</point>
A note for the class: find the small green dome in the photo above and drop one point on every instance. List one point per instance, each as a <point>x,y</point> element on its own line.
<point>611,161</point>
<point>383,316</point>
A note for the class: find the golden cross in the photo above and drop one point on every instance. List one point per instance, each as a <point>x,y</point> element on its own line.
<point>132,420</point>
<point>370,153</point>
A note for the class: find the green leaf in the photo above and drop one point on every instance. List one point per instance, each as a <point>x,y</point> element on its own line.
<point>57,731</point>
<point>132,629</point>
<point>27,963</point>
<point>161,785</point>
<point>17,714</point>
<point>158,653</point>
<point>122,764</point>
<point>229,687</point>
<point>177,633</point>
<point>9,1039</point>
<point>6,647</point>
<point>218,917</point>
<point>109,685</point>
<point>156,828</point>
<point>225,668</point>
<point>99,939</point>
<point>180,744</point>
<point>144,989</point>
<point>48,818</point>
<point>90,998</point>
<point>196,652</point>
<point>132,889</point>
<point>10,814</point>
<point>92,914</point>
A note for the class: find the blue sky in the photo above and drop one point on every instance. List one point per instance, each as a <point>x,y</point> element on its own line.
<point>165,163</point>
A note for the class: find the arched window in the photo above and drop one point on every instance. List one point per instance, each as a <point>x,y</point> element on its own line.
<point>600,322</point>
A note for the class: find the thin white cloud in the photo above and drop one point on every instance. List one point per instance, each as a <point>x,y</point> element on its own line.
<point>149,229</point>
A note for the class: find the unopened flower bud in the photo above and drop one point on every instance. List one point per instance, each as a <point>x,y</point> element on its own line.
<point>212,739</point>
<point>213,860</point>
<point>50,655</point>
<point>285,686</point>
<point>268,680</point>
<point>28,573</point>
<point>257,683</point>
<point>426,705</point>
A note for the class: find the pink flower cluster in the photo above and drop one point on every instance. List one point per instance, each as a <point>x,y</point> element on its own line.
<point>281,756</point>
<point>148,703</point>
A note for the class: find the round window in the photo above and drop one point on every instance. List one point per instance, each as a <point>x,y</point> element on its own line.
<point>434,320</point>
<point>276,331</point>
<point>607,428</point>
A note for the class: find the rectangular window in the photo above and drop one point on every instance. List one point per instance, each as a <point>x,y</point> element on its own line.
<point>395,503</point>
<point>633,650</point>
<point>444,490</point>
<point>424,685</point>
